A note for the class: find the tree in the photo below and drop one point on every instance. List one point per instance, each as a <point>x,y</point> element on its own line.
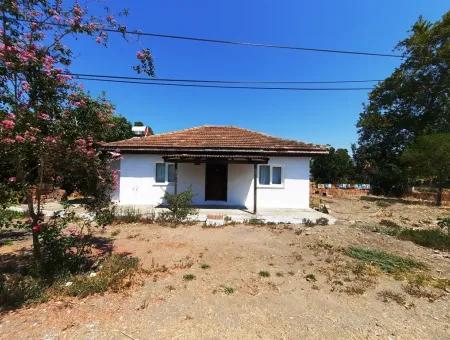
<point>413,101</point>
<point>335,167</point>
<point>49,127</point>
<point>429,157</point>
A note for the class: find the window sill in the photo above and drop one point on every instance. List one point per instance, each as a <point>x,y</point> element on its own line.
<point>162,184</point>
<point>270,186</point>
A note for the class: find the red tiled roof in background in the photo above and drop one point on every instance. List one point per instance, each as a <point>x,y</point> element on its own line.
<point>216,138</point>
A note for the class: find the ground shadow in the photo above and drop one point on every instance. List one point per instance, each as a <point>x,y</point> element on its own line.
<point>9,236</point>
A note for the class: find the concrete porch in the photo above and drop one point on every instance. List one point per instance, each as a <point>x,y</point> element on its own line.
<point>217,215</point>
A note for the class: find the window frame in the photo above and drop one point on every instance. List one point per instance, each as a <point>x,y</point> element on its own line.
<point>166,174</point>
<point>271,184</point>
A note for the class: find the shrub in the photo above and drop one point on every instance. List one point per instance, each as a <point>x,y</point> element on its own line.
<point>188,277</point>
<point>387,262</point>
<point>106,215</point>
<point>179,205</point>
<point>116,273</point>
<point>432,238</point>
<point>264,273</point>
<point>16,290</point>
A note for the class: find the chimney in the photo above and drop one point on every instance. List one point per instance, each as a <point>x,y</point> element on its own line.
<point>140,131</point>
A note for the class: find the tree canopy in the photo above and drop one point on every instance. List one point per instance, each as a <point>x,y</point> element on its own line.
<point>413,101</point>
<point>428,157</point>
<point>336,167</point>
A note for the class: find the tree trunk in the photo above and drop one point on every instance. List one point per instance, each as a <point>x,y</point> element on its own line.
<point>439,196</point>
<point>34,220</point>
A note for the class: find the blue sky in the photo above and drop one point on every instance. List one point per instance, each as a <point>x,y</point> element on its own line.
<point>319,117</point>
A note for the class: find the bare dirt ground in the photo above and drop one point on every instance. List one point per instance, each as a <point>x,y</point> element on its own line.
<point>230,300</point>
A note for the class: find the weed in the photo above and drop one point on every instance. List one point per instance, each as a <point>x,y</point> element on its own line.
<point>264,273</point>
<point>16,290</point>
<point>170,288</point>
<point>279,274</point>
<point>291,273</point>
<point>205,266</point>
<point>131,236</point>
<point>255,221</point>
<point>115,274</point>
<point>356,289</point>
<point>389,295</point>
<point>431,238</point>
<point>420,292</point>
<point>387,262</point>
<point>228,290</point>
<point>307,222</point>
<point>322,221</point>
<point>127,215</point>
<point>188,277</point>
<point>311,278</point>
<point>115,232</point>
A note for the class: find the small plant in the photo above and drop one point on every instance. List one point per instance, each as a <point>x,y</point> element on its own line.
<point>255,221</point>
<point>228,290</point>
<point>311,278</point>
<point>322,221</point>
<point>389,295</point>
<point>17,290</point>
<point>279,274</point>
<point>179,205</point>
<point>421,292</point>
<point>431,238</point>
<point>128,215</point>
<point>387,262</point>
<point>205,266</point>
<point>188,277</point>
<point>115,232</point>
<point>308,223</point>
<point>116,273</point>
<point>444,223</point>
<point>264,273</point>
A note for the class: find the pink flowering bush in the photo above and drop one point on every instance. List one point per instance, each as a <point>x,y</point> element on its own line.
<point>50,128</point>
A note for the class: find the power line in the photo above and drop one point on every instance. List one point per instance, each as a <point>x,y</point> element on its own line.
<point>226,87</point>
<point>233,42</point>
<point>224,81</point>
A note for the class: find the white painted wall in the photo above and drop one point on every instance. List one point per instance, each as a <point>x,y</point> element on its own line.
<point>137,183</point>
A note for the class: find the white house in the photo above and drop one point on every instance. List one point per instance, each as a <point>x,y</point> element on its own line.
<point>220,163</point>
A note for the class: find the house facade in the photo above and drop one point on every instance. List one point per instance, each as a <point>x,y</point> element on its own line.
<point>221,165</point>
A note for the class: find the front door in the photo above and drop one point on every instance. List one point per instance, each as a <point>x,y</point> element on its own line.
<point>216,182</point>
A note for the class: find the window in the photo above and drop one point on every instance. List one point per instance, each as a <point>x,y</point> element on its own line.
<point>270,175</point>
<point>165,173</point>
<point>276,175</point>
<point>264,174</point>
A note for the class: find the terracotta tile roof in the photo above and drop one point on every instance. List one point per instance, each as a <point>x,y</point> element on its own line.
<point>216,138</point>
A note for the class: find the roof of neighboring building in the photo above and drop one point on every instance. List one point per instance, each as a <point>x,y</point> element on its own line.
<point>221,139</point>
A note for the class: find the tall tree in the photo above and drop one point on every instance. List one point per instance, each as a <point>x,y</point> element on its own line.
<point>414,100</point>
<point>337,166</point>
<point>48,126</point>
<point>429,157</point>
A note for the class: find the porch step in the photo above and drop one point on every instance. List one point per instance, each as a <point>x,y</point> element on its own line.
<point>215,220</point>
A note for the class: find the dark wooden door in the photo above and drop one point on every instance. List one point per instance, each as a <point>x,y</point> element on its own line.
<point>216,182</point>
